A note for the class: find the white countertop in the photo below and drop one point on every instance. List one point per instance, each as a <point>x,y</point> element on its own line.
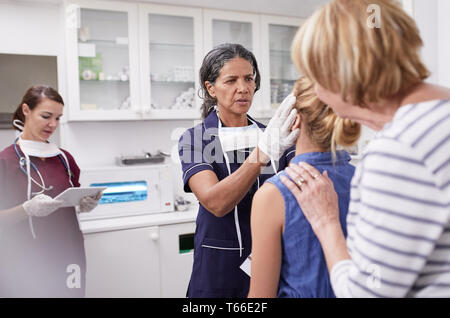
<point>154,219</point>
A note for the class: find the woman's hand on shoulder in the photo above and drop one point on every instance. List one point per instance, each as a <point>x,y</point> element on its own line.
<point>314,193</point>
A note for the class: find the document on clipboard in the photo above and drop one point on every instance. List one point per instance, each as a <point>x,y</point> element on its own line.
<point>73,196</point>
<point>246,266</point>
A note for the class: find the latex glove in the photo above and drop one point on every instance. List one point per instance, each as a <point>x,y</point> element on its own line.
<point>88,203</point>
<point>278,137</point>
<point>41,205</point>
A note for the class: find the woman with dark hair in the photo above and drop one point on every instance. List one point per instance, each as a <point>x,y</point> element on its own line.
<point>41,245</point>
<point>224,160</point>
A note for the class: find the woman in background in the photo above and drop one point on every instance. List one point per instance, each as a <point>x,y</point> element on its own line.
<point>41,245</point>
<point>287,260</point>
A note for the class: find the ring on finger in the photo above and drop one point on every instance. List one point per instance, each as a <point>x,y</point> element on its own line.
<point>312,174</point>
<point>309,172</point>
<point>300,182</point>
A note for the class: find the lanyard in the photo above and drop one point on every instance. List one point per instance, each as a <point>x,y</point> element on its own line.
<point>236,215</point>
<point>25,161</point>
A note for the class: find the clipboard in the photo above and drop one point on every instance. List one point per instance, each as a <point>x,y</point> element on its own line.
<point>246,266</point>
<point>72,196</point>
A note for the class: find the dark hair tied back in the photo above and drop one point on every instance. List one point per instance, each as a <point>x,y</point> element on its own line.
<point>33,97</point>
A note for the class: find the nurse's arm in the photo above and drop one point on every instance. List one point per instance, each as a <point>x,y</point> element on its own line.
<point>267,221</point>
<point>220,197</point>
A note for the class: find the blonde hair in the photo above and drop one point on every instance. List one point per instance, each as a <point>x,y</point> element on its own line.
<point>322,125</point>
<point>338,48</point>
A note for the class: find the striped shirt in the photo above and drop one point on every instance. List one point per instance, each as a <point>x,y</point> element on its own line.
<point>398,221</point>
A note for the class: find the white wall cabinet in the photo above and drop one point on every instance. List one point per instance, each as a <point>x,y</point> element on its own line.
<point>132,61</point>
<point>139,262</point>
<point>171,54</point>
<point>102,60</point>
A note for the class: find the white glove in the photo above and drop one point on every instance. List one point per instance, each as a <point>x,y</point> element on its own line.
<point>277,137</point>
<point>41,205</point>
<point>88,203</point>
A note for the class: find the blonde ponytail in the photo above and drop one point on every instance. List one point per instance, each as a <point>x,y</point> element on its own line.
<point>345,133</point>
<point>323,126</point>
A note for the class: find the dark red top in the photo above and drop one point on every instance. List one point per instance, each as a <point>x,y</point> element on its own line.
<point>40,267</point>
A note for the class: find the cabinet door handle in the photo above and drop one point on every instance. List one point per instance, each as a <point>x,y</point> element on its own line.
<point>154,236</point>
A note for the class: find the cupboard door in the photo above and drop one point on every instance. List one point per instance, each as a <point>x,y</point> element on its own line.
<point>176,258</point>
<point>103,59</point>
<point>123,263</point>
<point>231,27</point>
<point>232,32</point>
<point>280,72</point>
<point>171,48</point>
<point>234,27</point>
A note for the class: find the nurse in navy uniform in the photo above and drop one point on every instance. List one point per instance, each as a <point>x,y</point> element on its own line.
<point>224,160</point>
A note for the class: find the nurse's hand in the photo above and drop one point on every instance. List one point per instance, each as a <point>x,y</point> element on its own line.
<point>278,137</point>
<point>41,205</point>
<point>88,203</point>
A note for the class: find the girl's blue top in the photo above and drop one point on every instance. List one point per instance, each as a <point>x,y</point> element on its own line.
<point>304,271</point>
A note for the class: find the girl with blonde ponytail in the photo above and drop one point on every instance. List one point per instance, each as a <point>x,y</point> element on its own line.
<point>325,129</point>
<point>287,260</point>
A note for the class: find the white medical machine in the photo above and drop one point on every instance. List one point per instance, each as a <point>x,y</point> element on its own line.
<point>131,190</point>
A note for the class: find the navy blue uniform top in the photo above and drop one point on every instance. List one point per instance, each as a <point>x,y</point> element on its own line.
<point>216,271</point>
<point>304,270</point>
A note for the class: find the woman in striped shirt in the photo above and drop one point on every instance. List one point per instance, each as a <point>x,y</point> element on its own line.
<point>398,224</point>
